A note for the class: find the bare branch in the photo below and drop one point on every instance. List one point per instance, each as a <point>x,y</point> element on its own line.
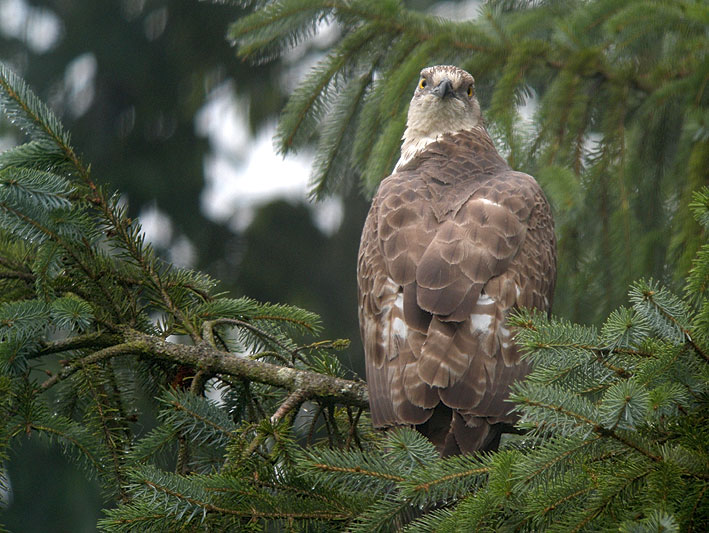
<point>292,402</point>
<point>208,327</point>
<point>82,362</point>
<point>89,340</point>
<point>212,361</point>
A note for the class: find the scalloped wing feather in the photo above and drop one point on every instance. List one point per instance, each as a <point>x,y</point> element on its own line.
<point>453,242</point>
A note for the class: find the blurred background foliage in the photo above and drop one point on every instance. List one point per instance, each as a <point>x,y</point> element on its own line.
<point>134,81</point>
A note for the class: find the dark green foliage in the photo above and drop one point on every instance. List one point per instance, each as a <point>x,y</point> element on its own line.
<point>618,138</point>
<point>616,440</point>
<point>79,282</point>
<point>152,66</point>
<point>616,437</point>
<point>189,437</point>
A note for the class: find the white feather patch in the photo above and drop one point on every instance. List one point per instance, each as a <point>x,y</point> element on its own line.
<point>394,299</point>
<point>486,201</point>
<point>399,302</point>
<point>485,299</point>
<point>399,328</point>
<point>393,326</point>
<point>480,322</point>
<point>410,149</point>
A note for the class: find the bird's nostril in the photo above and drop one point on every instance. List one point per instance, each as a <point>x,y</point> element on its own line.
<point>445,88</point>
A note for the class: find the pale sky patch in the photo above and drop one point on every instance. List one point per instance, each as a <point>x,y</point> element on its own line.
<point>244,172</point>
<point>39,27</point>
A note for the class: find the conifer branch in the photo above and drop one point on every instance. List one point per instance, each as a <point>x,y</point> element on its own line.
<point>14,274</point>
<point>354,421</point>
<point>649,295</point>
<point>553,505</point>
<point>699,499</point>
<point>183,455</point>
<point>209,327</point>
<point>213,361</point>
<point>630,444</point>
<point>115,450</point>
<point>358,471</point>
<point>321,515</point>
<point>204,420</point>
<point>97,278</point>
<point>77,342</point>
<point>12,87</point>
<point>450,477</point>
<point>292,402</point>
<point>599,508</point>
<point>307,493</point>
<point>88,454</point>
<point>122,228</point>
<point>408,22</point>
<point>209,360</point>
<point>595,426</point>
<point>560,457</point>
<point>80,363</point>
<point>198,382</point>
<point>621,372</point>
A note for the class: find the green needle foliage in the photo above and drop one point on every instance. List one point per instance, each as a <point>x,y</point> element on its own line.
<point>201,412</point>
<point>616,433</point>
<point>88,314</point>
<point>617,135</point>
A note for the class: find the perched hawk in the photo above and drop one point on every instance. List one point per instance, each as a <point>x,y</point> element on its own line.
<point>454,241</point>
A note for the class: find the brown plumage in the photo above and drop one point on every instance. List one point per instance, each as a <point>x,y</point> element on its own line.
<point>454,240</point>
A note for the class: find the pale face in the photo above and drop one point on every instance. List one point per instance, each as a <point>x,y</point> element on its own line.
<point>444,102</point>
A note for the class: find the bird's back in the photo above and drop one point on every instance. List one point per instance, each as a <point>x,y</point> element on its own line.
<point>454,240</point>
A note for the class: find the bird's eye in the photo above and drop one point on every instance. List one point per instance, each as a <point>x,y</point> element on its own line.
<point>470,90</point>
<point>422,83</point>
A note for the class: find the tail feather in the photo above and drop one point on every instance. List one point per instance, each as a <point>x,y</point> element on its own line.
<point>452,434</point>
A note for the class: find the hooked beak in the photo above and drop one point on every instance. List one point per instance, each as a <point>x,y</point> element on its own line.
<point>445,88</point>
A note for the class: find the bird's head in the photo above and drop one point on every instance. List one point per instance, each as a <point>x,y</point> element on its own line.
<point>444,102</point>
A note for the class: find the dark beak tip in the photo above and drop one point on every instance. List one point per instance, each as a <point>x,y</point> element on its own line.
<point>445,88</point>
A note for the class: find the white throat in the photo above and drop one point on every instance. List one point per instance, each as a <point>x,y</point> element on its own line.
<point>415,142</point>
<point>428,123</point>
<point>412,146</point>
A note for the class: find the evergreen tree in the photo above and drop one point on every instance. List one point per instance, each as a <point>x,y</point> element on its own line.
<point>618,139</point>
<point>151,65</point>
<point>255,426</point>
<point>156,61</point>
<point>79,282</point>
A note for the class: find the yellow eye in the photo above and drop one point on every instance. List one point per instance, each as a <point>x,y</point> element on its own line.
<point>422,83</point>
<point>470,90</point>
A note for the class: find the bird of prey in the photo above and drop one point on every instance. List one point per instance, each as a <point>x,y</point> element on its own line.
<point>454,241</point>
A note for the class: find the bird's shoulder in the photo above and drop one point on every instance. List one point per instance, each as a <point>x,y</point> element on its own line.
<point>456,169</point>
<point>469,152</point>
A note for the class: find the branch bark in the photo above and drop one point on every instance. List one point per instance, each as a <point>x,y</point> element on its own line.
<point>209,360</point>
